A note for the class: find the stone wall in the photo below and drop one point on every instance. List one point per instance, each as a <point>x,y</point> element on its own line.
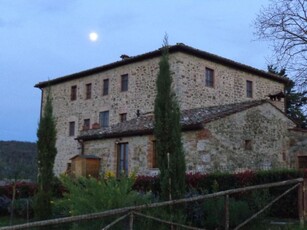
<point>139,156</point>
<point>221,145</point>
<point>298,146</point>
<point>188,74</point>
<point>229,84</point>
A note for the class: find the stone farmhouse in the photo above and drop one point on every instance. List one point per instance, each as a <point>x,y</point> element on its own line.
<point>232,114</point>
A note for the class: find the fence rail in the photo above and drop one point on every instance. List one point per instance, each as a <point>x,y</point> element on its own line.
<point>128,210</point>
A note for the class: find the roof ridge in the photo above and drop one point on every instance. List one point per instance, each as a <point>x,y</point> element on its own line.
<point>179,47</point>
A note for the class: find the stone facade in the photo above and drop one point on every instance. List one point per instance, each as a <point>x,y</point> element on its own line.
<point>255,138</point>
<point>297,157</point>
<point>188,67</point>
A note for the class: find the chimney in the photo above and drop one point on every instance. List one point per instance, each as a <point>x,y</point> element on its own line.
<point>124,56</point>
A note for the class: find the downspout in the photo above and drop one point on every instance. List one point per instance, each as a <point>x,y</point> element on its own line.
<point>81,142</point>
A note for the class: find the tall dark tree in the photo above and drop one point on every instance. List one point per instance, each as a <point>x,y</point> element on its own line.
<point>46,134</point>
<point>295,101</point>
<point>284,23</point>
<point>167,131</point>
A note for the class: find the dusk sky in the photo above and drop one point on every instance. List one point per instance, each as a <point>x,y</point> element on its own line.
<point>41,40</point>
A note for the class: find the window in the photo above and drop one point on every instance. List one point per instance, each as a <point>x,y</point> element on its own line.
<point>209,77</point>
<point>123,117</point>
<point>104,119</point>
<point>86,124</point>
<point>105,89</point>
<point>248,145</point>
<point>72,128</point>
<point>73,93</point>
<point>249,89</point>
<point>154,155</point>
<point>122,159</point>
<point>88,91</point>
<point>124,82</point>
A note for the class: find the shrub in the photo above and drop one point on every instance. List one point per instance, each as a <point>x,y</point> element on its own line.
<point>214,213</point>
<point>99,195</point>
<point>4,205</point>
<point>23,207</point>
<point>24,189</point>
<point>144,184</point>
<point>89,195</point>
<point>198,183</point>
<point>58,189</point>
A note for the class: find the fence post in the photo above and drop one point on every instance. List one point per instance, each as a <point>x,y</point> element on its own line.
<point>131,221</point>
<point>226,203</point>
<point>304,197</point>
<point>301,204</point>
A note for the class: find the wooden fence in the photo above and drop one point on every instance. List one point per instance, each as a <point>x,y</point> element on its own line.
<point>132,211</point>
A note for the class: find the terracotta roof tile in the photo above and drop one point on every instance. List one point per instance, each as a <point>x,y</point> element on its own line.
<point>191,119</point>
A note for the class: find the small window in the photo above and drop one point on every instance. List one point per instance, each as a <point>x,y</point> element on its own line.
<point>249,89</point>
<point>88,91</point>
<point>105,89</point>
<point>104,119</point>
<point>122,159</point>
<point>72,128</point>
<point>86,124</point>
<point>154,155</point>
<point>73,93</point>
<point>123,117</point>
<point>124,82</point>
<point>209,77</point>
<point>248,145</point>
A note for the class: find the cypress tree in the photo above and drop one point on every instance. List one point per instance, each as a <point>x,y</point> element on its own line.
<point>167,131</point>
<point>46,152</point>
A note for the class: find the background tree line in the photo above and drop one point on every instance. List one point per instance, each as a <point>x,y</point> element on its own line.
<point>18,160</point>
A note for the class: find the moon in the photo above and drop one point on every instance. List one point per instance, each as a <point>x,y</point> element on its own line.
<point>93,36</point>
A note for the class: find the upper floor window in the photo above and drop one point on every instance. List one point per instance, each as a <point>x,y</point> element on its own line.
<point>248,145</point>
<point>105,87</point>
<point>86,124</point>
<point>73,93</point>
<point>104,119</point>
<point>249,89</point>
<point>209,77</point>
<point>72,128</point>
<point>123,117</point>
<point>124,82</point>
<point>88,91</point>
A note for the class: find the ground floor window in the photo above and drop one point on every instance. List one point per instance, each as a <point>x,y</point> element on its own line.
<point>122,159</point>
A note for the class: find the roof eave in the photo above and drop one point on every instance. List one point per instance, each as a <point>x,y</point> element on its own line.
<point>130,133</point>
<point>157,53</point>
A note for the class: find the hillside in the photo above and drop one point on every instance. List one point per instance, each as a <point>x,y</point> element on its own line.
<point>18,160</point>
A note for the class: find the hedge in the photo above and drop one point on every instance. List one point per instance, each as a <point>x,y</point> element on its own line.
<point>214,182</point>
<point>24,189</point>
